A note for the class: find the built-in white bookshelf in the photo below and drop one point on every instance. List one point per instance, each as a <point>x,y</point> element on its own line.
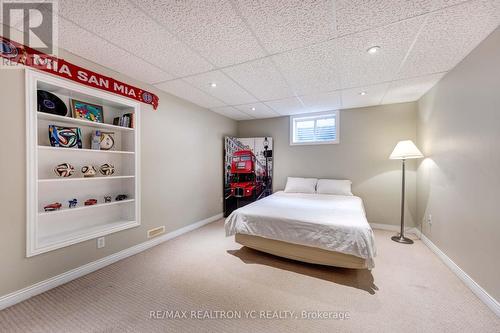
<point>50,230</point>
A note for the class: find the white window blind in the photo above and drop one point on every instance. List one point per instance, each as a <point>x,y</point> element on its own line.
<point>314,129</point>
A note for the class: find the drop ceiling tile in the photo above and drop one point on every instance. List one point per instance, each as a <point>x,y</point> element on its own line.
<point>359,68</point>
<point>322,102</point>
<point>261,110</point>
<point>286,24</point>
<point>232,113</point>
<point>226,90</point>
<point>450,35</point>
<point>105,54</point>
<point>311,69</point>
<point>287,106</point>
<point>261,78</point>
<point>144,38</point>
<point>351,98</point>
<point>359,15</point>
<point>408,90</point>
<point>344,62</point>
<point>186,91</point>
<point>212,27</point>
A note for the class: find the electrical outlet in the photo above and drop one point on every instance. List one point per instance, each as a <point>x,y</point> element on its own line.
<point>101,242</point>
<point>429,219</point>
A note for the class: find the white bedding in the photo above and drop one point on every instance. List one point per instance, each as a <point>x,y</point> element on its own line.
<point>330,222</point>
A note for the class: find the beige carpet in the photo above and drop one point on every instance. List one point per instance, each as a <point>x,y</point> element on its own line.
<point>409,290</point>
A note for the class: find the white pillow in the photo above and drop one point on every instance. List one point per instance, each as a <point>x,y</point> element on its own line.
<point>300,185</point>
<point>334,186</point>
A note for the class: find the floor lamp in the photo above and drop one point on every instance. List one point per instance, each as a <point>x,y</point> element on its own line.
<point>403,151</point>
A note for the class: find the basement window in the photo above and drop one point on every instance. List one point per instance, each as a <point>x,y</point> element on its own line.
<point>313,129</point>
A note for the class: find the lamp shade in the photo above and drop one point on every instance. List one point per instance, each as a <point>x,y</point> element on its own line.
<point>405,150</point>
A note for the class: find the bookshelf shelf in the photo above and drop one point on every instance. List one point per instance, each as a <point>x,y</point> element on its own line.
<point>77,209</point>
<point>77,150</point>
<point>65,120</point>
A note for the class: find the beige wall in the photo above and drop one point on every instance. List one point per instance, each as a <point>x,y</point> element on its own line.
<point>367,137</point>
<point>177,189</point>
<point>459,181</point>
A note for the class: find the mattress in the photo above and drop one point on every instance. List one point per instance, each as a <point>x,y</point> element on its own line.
<point>330,222</point>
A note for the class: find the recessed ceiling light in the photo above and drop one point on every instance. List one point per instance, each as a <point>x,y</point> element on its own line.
<point>213,84</point>
<point>362,93</point>
<point>373,49</point>
<point>253,109</point>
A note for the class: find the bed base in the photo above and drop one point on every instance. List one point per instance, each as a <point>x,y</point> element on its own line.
<point>302,253</point>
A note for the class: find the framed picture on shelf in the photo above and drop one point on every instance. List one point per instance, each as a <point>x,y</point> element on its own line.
<point>87,111</point>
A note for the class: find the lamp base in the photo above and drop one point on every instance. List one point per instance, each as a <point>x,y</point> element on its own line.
<point>402,239</point>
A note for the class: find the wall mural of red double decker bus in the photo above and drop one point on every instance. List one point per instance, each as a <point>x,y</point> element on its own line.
<point>248,169</point>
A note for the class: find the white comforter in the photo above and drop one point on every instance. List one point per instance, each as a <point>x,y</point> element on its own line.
<point>330,222</point>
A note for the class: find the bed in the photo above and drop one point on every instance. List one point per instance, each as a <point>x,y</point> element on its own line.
<point>310,227</point>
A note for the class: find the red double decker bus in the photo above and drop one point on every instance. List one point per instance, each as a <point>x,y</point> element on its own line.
<point>247,175</point>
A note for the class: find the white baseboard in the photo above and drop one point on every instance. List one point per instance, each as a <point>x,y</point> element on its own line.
<point>40,287</point>
<point>487,299</point>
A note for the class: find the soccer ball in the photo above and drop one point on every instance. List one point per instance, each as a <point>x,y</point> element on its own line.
<point>64,170</point>
<point>107,169</point>
<point>88,171</point>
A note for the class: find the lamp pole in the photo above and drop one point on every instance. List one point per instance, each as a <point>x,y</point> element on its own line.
<point>266,180</point>
<point>401,237</point>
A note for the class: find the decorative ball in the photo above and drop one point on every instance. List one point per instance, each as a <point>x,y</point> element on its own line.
<point>107,169</point>
<point>64,170</point>
<point>107,140</point>
<point>88,171</point>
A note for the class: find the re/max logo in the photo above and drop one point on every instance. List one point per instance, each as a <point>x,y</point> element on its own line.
<point>35,20</point>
